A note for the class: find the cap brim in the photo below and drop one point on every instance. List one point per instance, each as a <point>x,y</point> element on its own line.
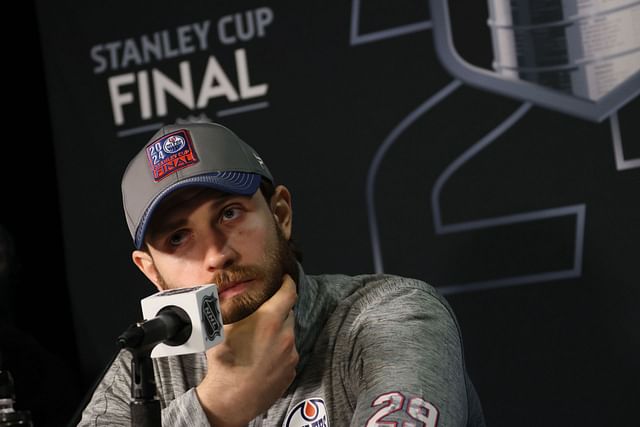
<point>240,183</point>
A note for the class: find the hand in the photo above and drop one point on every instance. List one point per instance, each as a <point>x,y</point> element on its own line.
<point>254,365</point>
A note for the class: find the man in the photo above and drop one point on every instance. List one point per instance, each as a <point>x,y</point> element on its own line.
<point>299,350</point>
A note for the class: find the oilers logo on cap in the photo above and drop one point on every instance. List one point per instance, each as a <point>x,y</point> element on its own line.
<point>170,153</point>
<point>308,413</point>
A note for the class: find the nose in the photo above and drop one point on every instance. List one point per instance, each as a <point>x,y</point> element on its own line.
<point>218,253</point>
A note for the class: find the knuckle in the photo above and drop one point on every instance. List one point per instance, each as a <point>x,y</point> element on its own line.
<point>290,336</point>
<point>292,298</point>
<point>289,342</point>
<point>295,358</point>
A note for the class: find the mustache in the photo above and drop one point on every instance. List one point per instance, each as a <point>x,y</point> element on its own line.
<point>236,274</point>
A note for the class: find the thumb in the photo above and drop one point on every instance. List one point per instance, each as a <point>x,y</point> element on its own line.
<point>283,300</point>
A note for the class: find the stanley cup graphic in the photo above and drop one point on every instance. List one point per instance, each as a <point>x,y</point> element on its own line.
<point>580,47</point>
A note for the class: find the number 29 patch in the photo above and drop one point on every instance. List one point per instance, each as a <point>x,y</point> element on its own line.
<point>170,153</point>
<point>394,406</point>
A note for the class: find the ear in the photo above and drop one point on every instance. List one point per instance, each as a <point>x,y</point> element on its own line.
<point>282,210</point>
<point>145,263</point>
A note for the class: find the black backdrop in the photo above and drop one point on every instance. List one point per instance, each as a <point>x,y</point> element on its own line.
<point>547,302</point>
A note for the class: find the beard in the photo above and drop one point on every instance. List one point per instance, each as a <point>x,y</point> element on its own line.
<point>266,278</point>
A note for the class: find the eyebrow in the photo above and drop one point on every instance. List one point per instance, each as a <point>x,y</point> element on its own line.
<point>164,227</point>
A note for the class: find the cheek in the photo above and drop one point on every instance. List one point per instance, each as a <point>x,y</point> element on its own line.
<point>177,273</point>
<point>253,240</point>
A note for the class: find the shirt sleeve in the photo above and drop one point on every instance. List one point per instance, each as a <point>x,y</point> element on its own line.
<point>406,363</point>
<point>109,405</point>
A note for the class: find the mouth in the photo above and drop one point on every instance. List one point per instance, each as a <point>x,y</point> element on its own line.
<point>232,289</point>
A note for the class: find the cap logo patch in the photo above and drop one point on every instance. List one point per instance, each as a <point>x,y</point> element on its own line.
<point>170,153</point>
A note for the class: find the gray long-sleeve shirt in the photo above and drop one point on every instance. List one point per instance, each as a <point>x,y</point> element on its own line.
<point>374,350</point>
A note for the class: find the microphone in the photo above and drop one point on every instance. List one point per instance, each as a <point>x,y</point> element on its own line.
<point>180,321</point>
<point>172,326</point>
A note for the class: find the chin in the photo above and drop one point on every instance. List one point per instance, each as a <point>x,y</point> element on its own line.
<point>234,311</point>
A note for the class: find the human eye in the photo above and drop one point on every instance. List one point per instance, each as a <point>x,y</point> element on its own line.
<point>230,213</point>
<point>177,238</point>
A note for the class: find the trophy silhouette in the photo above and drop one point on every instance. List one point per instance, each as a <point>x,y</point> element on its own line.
<point>580,58</point>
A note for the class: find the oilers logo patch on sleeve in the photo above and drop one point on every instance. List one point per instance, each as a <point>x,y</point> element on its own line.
<point>170,153</point>
<point>308,413</point>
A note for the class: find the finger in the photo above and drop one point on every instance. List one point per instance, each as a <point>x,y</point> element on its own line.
<point>283,300</point>
<point>290,319</point>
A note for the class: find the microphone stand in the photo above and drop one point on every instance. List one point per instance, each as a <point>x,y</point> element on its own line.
<point>145,406</point>
<point>139,340</point>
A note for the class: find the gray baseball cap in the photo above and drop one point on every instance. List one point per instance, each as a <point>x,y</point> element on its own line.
<point>184,155</point>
